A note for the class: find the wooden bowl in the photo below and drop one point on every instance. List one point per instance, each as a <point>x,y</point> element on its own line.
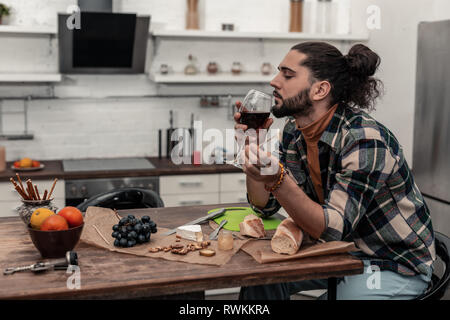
<point>55,244</point>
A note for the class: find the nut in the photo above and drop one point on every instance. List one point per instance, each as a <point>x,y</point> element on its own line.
<point>180,251</point>
<point>153,250</point>
<point>207,252</point>
<point>205,244</point>
<point>184,251</point>
<point>177,246</point>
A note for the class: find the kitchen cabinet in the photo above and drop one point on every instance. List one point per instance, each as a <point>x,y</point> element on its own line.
<point>10,199</point>
<point>233,188</point>
<point>181,200</point>
<point>185,190</point>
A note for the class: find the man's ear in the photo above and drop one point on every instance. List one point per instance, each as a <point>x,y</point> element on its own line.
<point>320,90</point>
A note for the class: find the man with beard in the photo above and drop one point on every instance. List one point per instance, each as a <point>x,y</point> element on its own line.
<point>347,178</point>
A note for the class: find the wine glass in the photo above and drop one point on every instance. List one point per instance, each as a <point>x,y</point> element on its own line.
<point>254,110</point>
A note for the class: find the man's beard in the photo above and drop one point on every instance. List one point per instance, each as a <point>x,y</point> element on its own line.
<point>300,105</point>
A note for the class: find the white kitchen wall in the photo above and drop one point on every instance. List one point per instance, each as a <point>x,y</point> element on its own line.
<point>109,116</point>
<point>396,43</point>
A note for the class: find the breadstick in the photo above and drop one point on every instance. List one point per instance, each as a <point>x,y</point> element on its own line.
<point>20,182</point>
<point>18,189</point>
<point>24,195</point>
<point>37,192</point>
<point>31,189</point>
<point>13,182</point>
<point>44,197</point>
<point>53,187</point>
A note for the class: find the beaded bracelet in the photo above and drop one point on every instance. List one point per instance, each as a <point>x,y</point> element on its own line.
<point>280,180</point>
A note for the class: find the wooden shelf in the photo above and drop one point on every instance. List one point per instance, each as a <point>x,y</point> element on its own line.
<point>257,35</point>
<point>27,30</point>
<point>206,78</point>
<point>30,77</point>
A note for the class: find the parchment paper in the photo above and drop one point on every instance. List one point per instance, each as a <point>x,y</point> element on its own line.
<point>98,229</point>
<point>262,252</point>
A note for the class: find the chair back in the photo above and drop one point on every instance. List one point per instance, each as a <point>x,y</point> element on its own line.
<point>122,199</point>
<point>439,284</point>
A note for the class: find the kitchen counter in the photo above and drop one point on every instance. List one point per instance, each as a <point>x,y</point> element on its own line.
<point>54,169</point>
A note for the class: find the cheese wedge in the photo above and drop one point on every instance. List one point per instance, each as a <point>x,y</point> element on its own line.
<point>190,232</point>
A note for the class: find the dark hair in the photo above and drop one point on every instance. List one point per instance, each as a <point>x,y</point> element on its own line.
<point>350,76</point>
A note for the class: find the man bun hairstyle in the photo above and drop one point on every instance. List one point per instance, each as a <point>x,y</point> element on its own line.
<point>350,76</point>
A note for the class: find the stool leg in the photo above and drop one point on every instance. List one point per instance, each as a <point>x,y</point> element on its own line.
<point>332,288</point>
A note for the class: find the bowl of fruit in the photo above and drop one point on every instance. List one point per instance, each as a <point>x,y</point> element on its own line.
<point>55,234</point>
<point>27,164</point>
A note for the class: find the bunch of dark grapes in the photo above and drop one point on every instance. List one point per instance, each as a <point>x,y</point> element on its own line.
<point>131,231</point>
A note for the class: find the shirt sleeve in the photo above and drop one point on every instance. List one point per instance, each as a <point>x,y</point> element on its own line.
<point>365,167</point>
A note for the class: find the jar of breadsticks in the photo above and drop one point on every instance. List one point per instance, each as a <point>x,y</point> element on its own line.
<point>32,198</point>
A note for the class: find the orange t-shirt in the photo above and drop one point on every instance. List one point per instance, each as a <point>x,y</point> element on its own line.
<point>312,133</point>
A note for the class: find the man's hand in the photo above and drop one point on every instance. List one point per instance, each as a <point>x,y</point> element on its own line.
<point>260,165</point>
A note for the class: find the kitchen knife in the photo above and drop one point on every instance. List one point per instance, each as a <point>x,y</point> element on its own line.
<point>215,233</point>
<point>210,216</point>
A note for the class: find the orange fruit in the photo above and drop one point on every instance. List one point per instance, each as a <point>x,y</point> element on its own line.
<point>54,223</point>
<point>73,216</point>
<point>26,162</point>
<point>38,216</point>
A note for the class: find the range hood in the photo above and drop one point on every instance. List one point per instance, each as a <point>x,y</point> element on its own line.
<point>106,43</point>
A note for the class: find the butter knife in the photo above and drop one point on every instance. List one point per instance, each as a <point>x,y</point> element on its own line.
<point>210,216</point>
<point>215,233</point>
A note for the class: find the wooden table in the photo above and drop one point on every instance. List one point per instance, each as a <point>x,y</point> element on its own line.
<point>109,275</point>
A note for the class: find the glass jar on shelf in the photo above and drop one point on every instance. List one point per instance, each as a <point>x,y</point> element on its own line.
<point>212,67</point>
<point>236,68</point>
<point>266,68</point>
<point>190,68</point>
<point>164,69</point>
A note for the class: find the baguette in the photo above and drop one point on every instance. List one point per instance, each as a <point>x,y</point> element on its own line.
<point>252,226</point>
<point>287,238</point>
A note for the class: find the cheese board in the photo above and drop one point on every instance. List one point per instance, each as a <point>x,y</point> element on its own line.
<point>236,215</point>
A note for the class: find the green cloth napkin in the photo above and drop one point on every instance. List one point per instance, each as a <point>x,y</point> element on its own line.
<point>235,217</point>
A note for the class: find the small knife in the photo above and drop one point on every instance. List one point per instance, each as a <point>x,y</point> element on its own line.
<point>210,216</point>
<point>215,233</point>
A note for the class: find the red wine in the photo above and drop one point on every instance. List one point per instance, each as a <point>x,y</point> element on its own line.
<point>254,119</point>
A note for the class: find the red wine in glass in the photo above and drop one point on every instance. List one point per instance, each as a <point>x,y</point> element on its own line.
<point>254,119</point>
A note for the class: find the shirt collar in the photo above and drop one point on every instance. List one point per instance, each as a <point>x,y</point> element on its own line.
<point>332,134</point>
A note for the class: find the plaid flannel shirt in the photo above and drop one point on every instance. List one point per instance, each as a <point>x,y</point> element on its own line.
<point>370,194</point>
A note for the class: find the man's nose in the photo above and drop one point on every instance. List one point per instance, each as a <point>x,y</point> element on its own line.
<point>275,83</point>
